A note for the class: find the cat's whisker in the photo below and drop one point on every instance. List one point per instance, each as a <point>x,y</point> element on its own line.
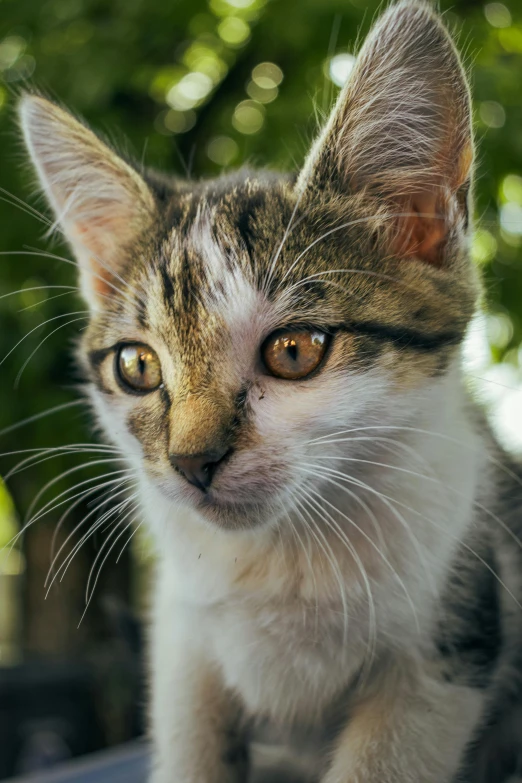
<point>113,494</point>
<point>23,206</point>
<point>32,251</point>
<point>35,252</point>
<point>84,493</point>
<point>445,531</point>
<point>360,502</point>
<point>93,580</point>
<point>432,479</point>
<point>292,298</point>
<point>374,546</point>
<point>420,431</point>
<point>317,276</point>
<point>83,466</point>
<point>348,224</point>
<point>117,487</point>
<point>318,536</point>
<point>104,520</point>
<point>38,416</point>
<point>83,313</point>
<point>382,441</point>
<point>61,571</point>
<point>271,269</point>
<point>329,474</point>
<point>305,501</point>
<point>47,299</point>
<point>47,337</point>
<point>127,543</point>
<point>121,489</point>
<point>70,289</point>
<point>333,525</point>
<point>49,507</point>
<point>128,290</point>
<point>301,544</point>
<point>37,456</point>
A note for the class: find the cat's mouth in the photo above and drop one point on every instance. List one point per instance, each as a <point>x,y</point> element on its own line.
<point>238,498</point>
<point>235,506</point>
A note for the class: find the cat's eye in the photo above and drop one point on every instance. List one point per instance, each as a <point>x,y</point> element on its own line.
<point>294,354</point>
<point>138,367</point>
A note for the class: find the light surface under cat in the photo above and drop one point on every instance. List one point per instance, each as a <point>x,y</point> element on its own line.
<point>338,535</point>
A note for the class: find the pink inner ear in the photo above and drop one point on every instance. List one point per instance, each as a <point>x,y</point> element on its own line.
<point>421,230</point>
<point>98,240</point>
<point>103,283</point>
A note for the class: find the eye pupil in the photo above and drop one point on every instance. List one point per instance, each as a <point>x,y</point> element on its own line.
<point>293,351</point>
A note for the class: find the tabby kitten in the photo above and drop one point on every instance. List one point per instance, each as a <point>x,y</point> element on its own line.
<point>279,358</point>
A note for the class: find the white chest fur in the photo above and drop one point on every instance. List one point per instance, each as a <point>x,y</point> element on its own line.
<point>287,661</point>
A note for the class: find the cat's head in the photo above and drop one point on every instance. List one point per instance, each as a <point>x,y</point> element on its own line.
<point>236,322</point>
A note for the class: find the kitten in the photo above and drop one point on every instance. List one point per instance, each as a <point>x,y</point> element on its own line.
<point>279,358</point>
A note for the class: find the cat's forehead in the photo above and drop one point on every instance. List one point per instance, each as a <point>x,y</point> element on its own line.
<point>203,275</point>
<point>222,255</point>
<point>243,215</point>
<point>257,226</point>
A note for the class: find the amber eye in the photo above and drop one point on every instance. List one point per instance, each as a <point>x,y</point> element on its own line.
<point>294,354</point>
<point>139,367</point>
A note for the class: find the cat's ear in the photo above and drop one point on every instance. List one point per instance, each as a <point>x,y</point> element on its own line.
<point>401,131</point>
<point>101,203</point>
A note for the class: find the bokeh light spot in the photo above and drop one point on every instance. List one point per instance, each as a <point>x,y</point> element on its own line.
<point>267,75</point>
<point>340,68</point>
<point>492,114</point>
<point>248,117</point>
<point>241,3</point>
<point>203,59</point>
<point>8,526</point>
<point>234,31</point>
<point>179,121</point>
<point>191,90</point>
<point>511,188</point>
<point>511,219</point>
<point>172,121</point>
<point>499,330</point>
<point>11,48</point>
<point>222,150</point>
<point>511,39</point>
<point>484,247</point>
<point>261,94</point>
<point>497,14</point>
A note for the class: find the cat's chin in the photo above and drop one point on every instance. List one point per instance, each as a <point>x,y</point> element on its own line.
<point>232,515</point>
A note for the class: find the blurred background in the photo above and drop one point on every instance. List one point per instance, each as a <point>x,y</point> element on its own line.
<point>187,86</point>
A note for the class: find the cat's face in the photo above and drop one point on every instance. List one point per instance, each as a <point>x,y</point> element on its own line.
<point>236,323</point>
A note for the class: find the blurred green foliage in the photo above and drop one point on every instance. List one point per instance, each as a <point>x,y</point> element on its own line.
<point>201,86</point>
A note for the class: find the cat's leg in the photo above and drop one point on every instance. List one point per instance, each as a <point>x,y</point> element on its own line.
<point>411,728</point>
<point>193,716</point>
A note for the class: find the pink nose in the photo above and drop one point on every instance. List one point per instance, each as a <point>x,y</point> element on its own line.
<point>199,469</point>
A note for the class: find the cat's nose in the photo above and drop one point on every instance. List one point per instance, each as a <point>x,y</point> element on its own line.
<point>199,469</point>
